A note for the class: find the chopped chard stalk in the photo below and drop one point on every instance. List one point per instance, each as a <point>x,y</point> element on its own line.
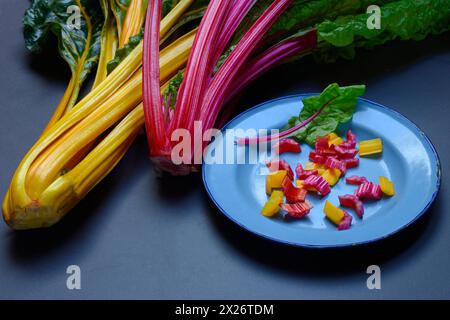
<point>351,163</point>
<point>369,191</point>
<point>316,158</point>
<point>346,222</point>
<point>297,210</point>
<point>345,153</point>
<point>318,183</point>
<point>296,195</point>
<point>356,180</point>
<point>302,174</point>
<point>333,163</point>
<point>352,201</point>
<point>276,165</point>
<point>287,145</point>
<point>387,186</point>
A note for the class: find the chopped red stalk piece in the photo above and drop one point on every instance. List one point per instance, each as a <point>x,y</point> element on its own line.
<point>302,174</point>
<point>318,183</point>
<point>356,180</point>
<point>286,185</point>
<point>297,210</point>
<point>345,153</point>
<point>316,158</point>
<point>334,163</point>
<point>346,222</point>
<point>351,136</point>
<point>350,143</point>
<point>276,165</point>
<point>323,148</point>
<point>295,195</point>
<point>287,145</point>
<point>351,163</point>
<point>322,143</point>
<point>369,191</point>
<point>352,201</point>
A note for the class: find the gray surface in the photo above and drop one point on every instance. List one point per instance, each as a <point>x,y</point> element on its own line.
<point>139,237</point>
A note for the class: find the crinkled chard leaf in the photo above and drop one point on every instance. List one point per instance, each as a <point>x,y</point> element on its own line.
<point>79,45</point>
<point>339,111</point>
<point>122,53</point>
<point>404,20</point>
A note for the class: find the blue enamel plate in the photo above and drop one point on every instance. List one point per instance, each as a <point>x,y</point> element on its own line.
<point>409,160</point>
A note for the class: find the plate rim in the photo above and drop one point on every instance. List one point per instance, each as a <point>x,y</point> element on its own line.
<point>345,245</point>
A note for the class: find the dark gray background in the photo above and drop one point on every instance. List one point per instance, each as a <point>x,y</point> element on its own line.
<point>136,236</point>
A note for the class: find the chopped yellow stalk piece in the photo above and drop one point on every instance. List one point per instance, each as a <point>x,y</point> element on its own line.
<point>333,213</point>
<point>331,176</point>
<point>333,138</point>
<point>272,206</point>
<point>387,186</point>
<point>369,147</point>
<point>320,168</point>
<point>274,180</point>
<point>299,184</point>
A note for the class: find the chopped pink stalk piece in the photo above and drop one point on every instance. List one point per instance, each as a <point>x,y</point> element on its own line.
<point>345,153</point>
<point>350,142</point>
<point>316,158</point>
<point>334,163</point>
<point>287,145</point>
<point>351,163</point>
<point>318,183</point>
<point>328,152</point>
<point>369,191</point>
<point>356,180</point>
<point>302,174</point>
<point>351,136</point>
<point>352,201</point>
<point>346,222</point>
<point>297,210</point>
<point>276,165</point>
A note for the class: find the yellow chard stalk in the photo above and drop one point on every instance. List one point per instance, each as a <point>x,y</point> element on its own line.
<point>53,177</point>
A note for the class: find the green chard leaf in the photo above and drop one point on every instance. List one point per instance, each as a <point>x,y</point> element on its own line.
<point>80,48</point>
<point>122,53</point>
<point>304,14</point>
<point>168,5</point>
<point>338,112</point>
<point>404,20</point>
<point>171,93</point>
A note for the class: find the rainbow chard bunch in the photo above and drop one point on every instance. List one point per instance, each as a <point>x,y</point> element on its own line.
<point>238,40</point>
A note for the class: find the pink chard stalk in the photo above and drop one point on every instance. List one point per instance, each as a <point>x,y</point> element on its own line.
<point>203,92</point>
